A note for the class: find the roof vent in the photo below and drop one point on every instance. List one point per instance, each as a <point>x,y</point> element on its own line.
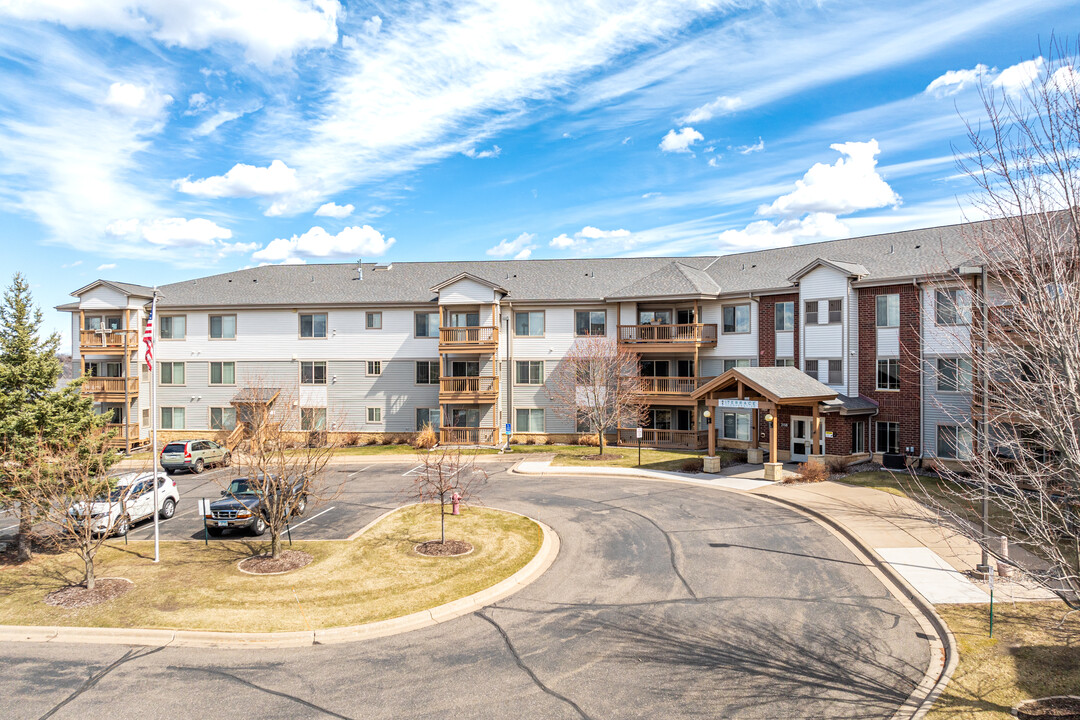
<point>383,268</point>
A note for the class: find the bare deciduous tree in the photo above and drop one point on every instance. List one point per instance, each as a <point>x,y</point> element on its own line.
<point>443,473</point>
<point>284,454</point>
<point>598,384</point>
<point>1024,268</point>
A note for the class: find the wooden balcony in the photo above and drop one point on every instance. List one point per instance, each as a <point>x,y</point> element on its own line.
<point>468,435</point>
<point>110,388</point>
<point>665,387</point>
<point>119,441</point>
<point>666,439</point>
<point>94,342</point>
<point>481,389</point>
<point>668,338</point>
<point>480,339</point>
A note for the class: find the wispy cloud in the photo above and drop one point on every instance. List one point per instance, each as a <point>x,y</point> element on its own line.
<point>680,141</point>
<point>519,248</point>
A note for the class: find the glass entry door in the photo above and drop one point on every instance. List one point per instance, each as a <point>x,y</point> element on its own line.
<point>800,439</point>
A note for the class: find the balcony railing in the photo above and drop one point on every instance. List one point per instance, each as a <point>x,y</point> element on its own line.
<point>467,435</point>
<point>107,339</point>
<point>685,334</point>
<point>671,439</point>
<point>480,337</point>
<point>671,385</point>
<point>119,440</point>
<point>482,386</point>
<point>110,386</point>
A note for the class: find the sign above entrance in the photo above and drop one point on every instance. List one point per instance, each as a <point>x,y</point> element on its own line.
<point>741,404</point>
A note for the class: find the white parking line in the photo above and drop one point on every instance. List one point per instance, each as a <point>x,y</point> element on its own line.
<point>312,517</point>
<point>8,527</point>
<point>357,472</point>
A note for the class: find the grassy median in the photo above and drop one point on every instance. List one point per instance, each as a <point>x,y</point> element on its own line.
<point>195,587</point>
<point>1028,657</point>
<point>614,456</point>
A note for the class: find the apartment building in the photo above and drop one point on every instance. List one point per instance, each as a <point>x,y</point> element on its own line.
<point>467,346</point>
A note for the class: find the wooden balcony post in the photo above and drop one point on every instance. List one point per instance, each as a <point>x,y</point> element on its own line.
<point>817,449</point>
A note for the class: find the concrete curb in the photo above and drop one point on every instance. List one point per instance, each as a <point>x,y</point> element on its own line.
<point>617,472</point>
<point>537,566</point>
<point>944,656</point>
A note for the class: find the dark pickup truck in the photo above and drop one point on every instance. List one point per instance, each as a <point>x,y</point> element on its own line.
<point>241,507</point>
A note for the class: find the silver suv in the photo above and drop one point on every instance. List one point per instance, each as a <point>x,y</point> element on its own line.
<point>193,455</point>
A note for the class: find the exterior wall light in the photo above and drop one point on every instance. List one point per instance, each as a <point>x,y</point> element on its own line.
<point>769,418</point>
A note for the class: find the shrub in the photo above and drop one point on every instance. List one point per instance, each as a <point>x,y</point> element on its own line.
<point>548,440</point>
<point>589,439</point>
<point>386,439</point>
<point>836,465</point>
<point>692,465</point>
<point>812,473</point>
<point>426,438</point>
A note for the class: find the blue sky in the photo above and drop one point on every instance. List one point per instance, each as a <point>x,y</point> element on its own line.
<point>151,141</point>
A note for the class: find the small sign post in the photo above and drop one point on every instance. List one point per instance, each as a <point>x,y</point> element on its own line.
<point>990,577</point>
<point>204,510</point>
<point>640,433</point>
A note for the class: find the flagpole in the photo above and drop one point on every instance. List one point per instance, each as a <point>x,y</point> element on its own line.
<point>153,426</point>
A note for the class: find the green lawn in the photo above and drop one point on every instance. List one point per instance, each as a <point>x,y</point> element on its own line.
<point>375,577</point>
<point>615,456</point>
<point>1028,657</point>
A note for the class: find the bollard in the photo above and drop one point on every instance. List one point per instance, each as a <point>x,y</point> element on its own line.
<point>456,499</point>
<point>1004,569</point>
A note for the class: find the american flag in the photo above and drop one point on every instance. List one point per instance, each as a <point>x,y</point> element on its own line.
<point>148,339</point>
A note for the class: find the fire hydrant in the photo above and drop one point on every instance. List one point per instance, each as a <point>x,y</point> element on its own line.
<point>456,500</point>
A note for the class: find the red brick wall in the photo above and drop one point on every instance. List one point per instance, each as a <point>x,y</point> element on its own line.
<point>767,328</point>
<point>901,406</point>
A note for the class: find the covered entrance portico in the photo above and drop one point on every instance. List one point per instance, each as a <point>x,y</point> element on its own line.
<point>763,391</point>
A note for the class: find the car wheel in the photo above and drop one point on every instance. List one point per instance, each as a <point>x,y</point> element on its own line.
<point>301,505</point>
<point>214,532</point>
<point>258,527</point>
<point>169,471</point>
<point>199,465</point>
<point>168,508</point>
<point>122,527</point>
<point>227,460</point>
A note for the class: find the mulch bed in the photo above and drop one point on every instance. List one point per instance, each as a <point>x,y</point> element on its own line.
<point>266,565</point>
<point>450,548</point>
<point>77,596</point>
<point>1062,707</point>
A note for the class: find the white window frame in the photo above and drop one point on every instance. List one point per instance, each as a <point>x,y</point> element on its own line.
<point>300,325</point>
<point>171,318</point>
<point>374,415</point>
<point>877,375</point>
<point>735,319</point>
<point>221,372</point>
<point>529,323</point>
<point>313,364</point>
<point>839,371</point>
<point>172,373</point>
<point>742,422</point>
<point>529,372</point>
<point>777,315</point>
<point>430,364</point>
<point>210,326</point>
<point>963,375</point>
<point>372,315</point>
<point>374,368</point>
<point>310,416</point>
<point>531,414</point>
<point>172,417</point>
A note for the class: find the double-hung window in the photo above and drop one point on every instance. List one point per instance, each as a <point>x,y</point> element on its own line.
<point>530,420</point>
<point>785,316</point>
<point>810,367</point>
<point>888,311</point>
<point>810,310</point>
<point>172,327</point>
<point>736,426</point>
<point>836,311</point>
<point>529,372</point>
<point>953,374</point>
<point>590,322</point>
<point>374,368</point>
<point>836,372</point>
<point>736,318</point>
<point>222,373</point>
<point>888,374</point>
<point>313,372</point>
<point>172,373</point>
<point>952,307</point>
<point>313,325</point>
<point>427,372</point>
<point>222,327</point>
<point>529,324</point>
<point>427,324</point>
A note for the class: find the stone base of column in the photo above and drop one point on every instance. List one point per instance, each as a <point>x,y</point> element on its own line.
<point>755,456</point>
<point>712,464</point>
<point>815,460</point>
<point>774,472</point>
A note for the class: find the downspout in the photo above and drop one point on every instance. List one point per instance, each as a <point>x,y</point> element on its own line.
<point>510,368</point>
<point>922,380</point>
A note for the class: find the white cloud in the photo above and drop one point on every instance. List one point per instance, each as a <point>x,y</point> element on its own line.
<point>680,142</point>
<point>106,266</point>
<point>762,234</point>
<point>714,161</point>
<point>520,247</point>
<point>954,81</point>
<point>648,195</point>
<point>372,25</point>
<point>352,242</point>
<point>244,181</point>
<point>216,120</point>
<point>268,30</point>
<point>748,149</point>
<point>1016,79</point>
<point>77,263</point>
<point>494,152</point>
<point>173,232</point>
<point>197,102</point>
<point>136,99</point>
<point>850,184</point>
<point>723,105</point>
<point>334,210</point>
<point>582,238</point>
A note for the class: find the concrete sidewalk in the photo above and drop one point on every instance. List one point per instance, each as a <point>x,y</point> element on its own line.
<point>741,477</point>
<point>934,558</point>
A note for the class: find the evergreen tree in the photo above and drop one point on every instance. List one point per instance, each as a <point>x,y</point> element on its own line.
<point>32,411</point>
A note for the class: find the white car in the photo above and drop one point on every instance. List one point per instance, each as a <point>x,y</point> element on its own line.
<point>132,500</point>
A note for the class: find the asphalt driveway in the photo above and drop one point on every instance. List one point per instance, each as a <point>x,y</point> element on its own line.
<point>666,601</point>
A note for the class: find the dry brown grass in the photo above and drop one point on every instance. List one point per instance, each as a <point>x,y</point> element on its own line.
<point>426,439</point>
<point>374,577</point>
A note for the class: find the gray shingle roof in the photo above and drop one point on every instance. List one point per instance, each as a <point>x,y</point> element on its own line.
<point>848,405</point>
<point>785,382</point>
<point>890,255</point>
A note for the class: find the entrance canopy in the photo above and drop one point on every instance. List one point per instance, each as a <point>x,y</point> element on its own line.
<point>763,388</point>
